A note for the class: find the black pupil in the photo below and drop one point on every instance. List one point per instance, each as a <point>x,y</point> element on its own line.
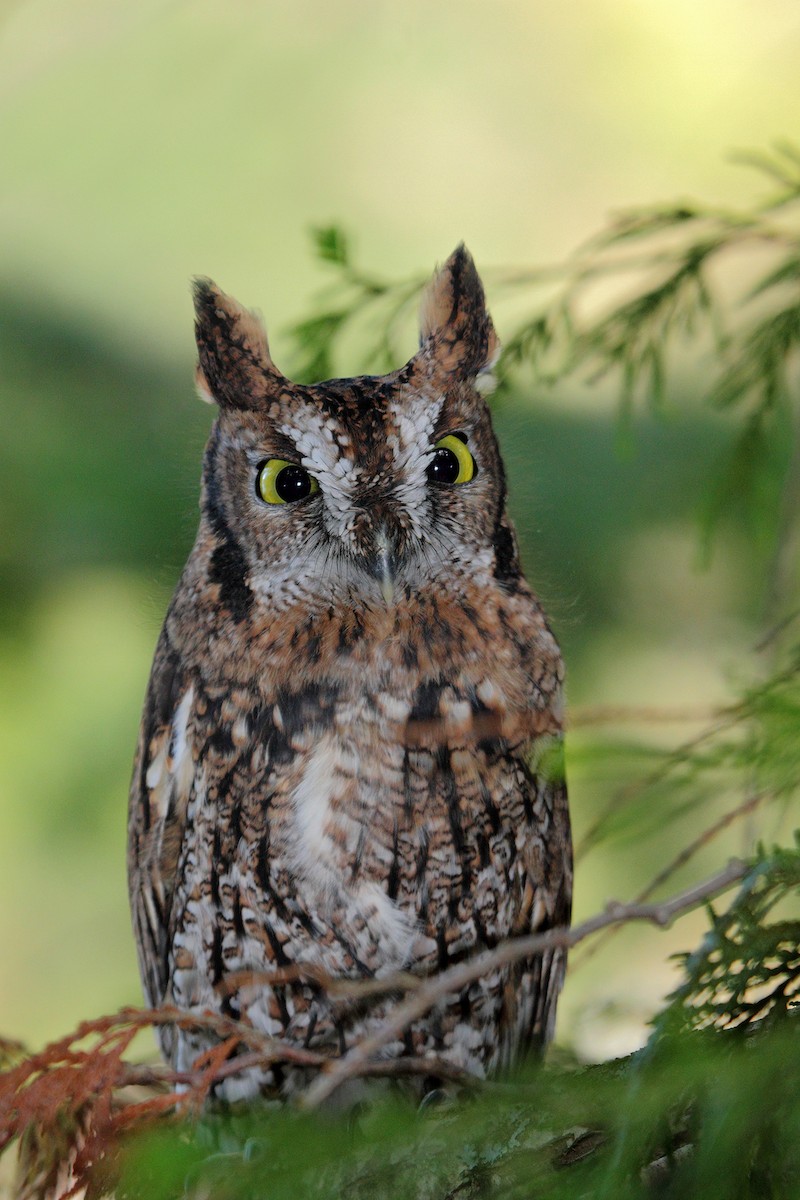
<point>444,467</point>
<point>293,483</point>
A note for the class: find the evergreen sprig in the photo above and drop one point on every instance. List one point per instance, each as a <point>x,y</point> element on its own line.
<point>681,276</point>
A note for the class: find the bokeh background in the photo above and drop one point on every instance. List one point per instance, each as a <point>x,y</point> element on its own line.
<point>141,144</point>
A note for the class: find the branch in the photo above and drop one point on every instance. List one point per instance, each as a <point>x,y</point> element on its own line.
<point>457,978</point>
<point>723,720</point>
<point>742,810</point>
<point>633,714</point>
<point>160,1078</point>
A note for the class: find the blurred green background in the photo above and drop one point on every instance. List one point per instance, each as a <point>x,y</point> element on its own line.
<point>142,144</point>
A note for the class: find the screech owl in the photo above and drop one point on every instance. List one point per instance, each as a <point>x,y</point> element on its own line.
<point>341,757</point>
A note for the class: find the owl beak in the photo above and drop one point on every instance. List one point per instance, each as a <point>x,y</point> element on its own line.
<point>385,566</point>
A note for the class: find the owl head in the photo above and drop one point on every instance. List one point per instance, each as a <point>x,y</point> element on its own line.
<point>361,489</point>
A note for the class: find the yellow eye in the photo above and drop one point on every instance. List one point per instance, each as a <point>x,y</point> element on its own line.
<point>281,482</point>
<point>451,461</point>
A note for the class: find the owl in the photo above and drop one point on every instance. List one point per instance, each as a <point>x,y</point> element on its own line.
<point>348,758</point>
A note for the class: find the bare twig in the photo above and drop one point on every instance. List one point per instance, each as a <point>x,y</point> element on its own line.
<point>726,718</point>
<point>454,980</point>
<point>742,810</point>
<point>144,1075</point>
<point>633,714</point>
<point>68,1060</point>
<point>335,987</point>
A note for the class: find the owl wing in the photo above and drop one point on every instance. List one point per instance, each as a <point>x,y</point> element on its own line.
<point>548,890</point>
<point>163,774</point>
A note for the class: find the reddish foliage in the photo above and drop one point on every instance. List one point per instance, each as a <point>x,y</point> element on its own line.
<point>68,1105</point>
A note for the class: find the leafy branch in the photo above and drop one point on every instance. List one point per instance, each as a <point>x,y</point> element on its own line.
<point>655,280</point>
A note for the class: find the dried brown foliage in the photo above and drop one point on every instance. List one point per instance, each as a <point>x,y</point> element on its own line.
<point>66,1105</point>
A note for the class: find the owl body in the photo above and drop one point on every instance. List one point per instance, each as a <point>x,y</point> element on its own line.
<point>345,765</point>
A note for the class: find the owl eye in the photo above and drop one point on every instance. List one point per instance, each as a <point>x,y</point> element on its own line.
<point>451,461</point>
<point>281,482</point>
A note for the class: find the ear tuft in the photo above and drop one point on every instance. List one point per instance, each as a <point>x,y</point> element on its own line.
<point>455,327</point>
<point>235,367</point>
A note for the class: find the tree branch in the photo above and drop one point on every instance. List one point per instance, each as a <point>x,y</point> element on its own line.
<point>455,979</point>
<point>742,810</point>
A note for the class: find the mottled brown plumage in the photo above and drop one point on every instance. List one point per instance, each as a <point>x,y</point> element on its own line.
<point>346,758</point>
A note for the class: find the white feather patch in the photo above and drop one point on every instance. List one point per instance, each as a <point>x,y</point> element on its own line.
<point>314,435</point>
<point>312,847</point>
<point>410,441</point>
<point>316,859</point>
<point>180,762</point>
<point>395,930</point>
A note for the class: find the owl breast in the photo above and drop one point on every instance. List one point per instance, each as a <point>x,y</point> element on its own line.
<point>378,817</point>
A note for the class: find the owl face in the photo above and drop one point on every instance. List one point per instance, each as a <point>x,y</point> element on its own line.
<point>361,487</point>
